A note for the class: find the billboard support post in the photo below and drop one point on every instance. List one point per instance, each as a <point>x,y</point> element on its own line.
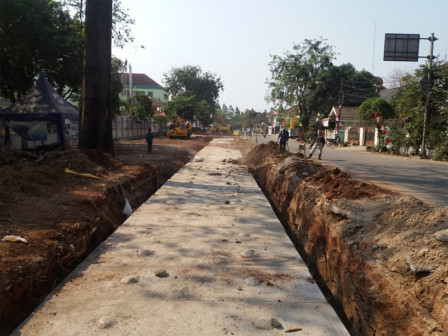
<point>405,47</point>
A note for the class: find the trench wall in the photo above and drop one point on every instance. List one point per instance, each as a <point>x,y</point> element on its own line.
<point>372,299</point>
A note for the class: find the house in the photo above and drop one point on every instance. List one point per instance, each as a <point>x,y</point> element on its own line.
<point>138,83</point>
<point>350,127</point>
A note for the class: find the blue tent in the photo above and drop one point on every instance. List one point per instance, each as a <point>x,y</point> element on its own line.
<point>42,103</point>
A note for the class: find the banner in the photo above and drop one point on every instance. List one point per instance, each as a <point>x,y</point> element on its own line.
<point>30,130</point>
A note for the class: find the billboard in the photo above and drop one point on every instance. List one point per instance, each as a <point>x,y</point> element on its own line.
<point>401,47</point>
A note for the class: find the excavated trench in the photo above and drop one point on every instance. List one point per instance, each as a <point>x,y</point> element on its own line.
<point>342,228</point>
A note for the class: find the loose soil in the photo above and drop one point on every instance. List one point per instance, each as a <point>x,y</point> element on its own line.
<point>63,216</point>
<point>372,250</point>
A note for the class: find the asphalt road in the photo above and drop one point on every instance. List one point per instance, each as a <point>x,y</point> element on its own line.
<point>424,179</point>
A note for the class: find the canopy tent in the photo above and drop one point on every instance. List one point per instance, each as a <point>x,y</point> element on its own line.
<point>42,103</point>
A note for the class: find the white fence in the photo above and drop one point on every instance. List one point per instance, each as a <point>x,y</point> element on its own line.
<point>129,128</point>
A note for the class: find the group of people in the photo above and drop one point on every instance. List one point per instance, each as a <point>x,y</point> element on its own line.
<point>318,142</point>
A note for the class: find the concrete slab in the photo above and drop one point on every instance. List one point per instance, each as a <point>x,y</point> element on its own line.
<point>205,255</point>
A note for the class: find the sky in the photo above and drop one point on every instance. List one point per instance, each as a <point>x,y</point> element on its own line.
<point>236,39</point>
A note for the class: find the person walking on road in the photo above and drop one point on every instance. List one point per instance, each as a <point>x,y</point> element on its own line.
<point>149,137</point>
<point>284,137</point>
<point>318,142</point>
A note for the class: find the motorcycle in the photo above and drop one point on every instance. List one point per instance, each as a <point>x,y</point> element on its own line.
<point>333,142</point>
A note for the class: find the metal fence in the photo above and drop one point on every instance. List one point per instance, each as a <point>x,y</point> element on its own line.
<point>129,128</point>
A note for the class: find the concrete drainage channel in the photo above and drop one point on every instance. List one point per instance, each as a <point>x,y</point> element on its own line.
<point>328,234</point>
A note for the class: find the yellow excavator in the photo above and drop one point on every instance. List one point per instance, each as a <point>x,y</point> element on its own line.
<point>220,126</point>
<point>179,129</point>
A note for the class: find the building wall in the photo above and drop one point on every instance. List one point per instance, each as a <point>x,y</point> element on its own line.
<point>156,91</point>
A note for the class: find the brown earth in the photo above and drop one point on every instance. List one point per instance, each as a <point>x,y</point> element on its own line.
<point>63,216</point>
<point>372,250</point>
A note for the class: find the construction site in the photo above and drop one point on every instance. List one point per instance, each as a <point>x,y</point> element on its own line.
<point>202,252</point>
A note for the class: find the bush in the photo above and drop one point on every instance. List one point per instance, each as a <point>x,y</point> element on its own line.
<point>441,151</point>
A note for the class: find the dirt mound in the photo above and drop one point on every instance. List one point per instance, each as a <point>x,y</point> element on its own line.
<point>333,182</point>
<point>372,250</point>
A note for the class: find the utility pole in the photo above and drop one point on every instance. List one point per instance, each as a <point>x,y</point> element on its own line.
<point>428,93</point>
<point>341,102</point>
<point>405,47</point>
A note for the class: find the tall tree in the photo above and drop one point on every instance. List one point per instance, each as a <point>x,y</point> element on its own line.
<point>376,107</point>
<point>344,85</point>
<point>295,75</point>
<point>96,116</point>
<point>395,78</point>
<point>225,109</point>
<point>118,67</point>
<point>143,105</point>
<point>41,36</point>
<point>409,103</point>
<point>372,106</point>
<point>190,81</point>
<point>38,36</point>
<point>181,106</point>
<point>231,111</point>
<point>121,20</point>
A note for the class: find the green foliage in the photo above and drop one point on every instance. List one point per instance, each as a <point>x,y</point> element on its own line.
<point>162,122</point>
<point>371,106</point>
<point>357,86</point>
<point>204,112</point>
<point>409,104</point>
<point>399,139</point>
<point>295,76</point>
<point>307,79</point>
<point>38,36</point>
<point>117,86</point>
<point>195,93</point>
<point>143,105</point>
<point>441,151</point>
<point>252,119</point>
<point>42,36</point>
<point>439,93</point>
<point>437,136</point>
<point>181,106</point>
<point>344,85</point>
<point>190,81</point>
<point>121,21</point>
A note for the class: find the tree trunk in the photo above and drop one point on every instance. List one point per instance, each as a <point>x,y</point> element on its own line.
<point>96,116</point>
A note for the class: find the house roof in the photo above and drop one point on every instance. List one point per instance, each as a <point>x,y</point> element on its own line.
<point>139,79</point>
<point>349,116</point>
<point>156,102</point>
<point>349,113</point>
<point>388,93</point>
